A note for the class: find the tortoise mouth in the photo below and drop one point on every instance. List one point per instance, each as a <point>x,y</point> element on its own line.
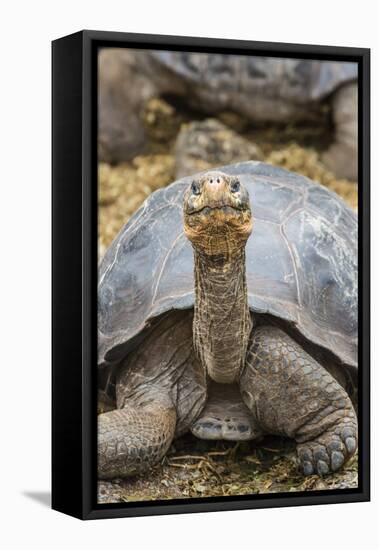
<point>224,208</point>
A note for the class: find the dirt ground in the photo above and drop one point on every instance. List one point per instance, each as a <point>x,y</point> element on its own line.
<point>193,467</point>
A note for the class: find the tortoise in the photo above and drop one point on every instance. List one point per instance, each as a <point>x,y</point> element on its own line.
<point>203,328</point>
<point>261,89</point>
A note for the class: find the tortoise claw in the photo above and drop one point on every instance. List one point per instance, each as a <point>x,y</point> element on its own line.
<point>329,452</point>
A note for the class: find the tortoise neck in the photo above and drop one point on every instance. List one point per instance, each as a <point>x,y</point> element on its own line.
<point>222,322</point>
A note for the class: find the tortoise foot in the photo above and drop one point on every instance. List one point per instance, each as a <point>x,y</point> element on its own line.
<point>330,451</point>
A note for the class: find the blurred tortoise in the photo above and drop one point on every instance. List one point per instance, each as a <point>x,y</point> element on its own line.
<point>262,89</point>
<point>230,338</point>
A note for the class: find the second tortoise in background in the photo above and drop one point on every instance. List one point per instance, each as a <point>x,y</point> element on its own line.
<point>262,89</point>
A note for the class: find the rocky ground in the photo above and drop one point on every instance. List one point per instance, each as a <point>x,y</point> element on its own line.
<point>180,143</point>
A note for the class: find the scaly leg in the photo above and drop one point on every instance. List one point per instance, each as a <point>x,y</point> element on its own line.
<point>160,391</point>
<point>291,394</point>
<point>133,438</point>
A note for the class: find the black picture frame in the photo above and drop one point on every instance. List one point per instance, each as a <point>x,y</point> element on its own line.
<point>74,272</point>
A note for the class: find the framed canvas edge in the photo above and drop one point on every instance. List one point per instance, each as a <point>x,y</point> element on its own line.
<point>67,318</point>
<point>91,41</point>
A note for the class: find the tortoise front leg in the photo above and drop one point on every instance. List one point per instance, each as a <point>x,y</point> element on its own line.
<point>160,391</point>
<point>133,438</point>
<point>291,394</point>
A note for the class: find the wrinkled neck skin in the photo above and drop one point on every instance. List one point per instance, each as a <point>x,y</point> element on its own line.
<point>222,322</point>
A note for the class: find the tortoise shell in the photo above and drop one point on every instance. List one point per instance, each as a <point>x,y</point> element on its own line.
<point>297,80</point>
<point>301,264</point>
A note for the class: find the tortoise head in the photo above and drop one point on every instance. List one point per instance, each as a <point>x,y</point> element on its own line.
<point>217,214</point>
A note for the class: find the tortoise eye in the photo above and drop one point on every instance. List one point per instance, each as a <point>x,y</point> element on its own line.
<point>235,186</point>
<point>195,188</point>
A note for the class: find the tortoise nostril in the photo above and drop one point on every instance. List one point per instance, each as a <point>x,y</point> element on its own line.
<point>218,180</point>
<point>210,181</point>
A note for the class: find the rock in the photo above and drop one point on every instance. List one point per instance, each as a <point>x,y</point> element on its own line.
<point>123,89</point>
<point>209,143</point>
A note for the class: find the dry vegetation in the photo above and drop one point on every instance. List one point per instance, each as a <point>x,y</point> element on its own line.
<point>195,468</point>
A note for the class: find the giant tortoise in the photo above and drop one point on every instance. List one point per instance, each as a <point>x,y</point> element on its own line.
<point>204,328</point>
<point>261,89</point>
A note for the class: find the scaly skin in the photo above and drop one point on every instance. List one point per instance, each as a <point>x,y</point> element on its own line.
<point>218,222</point>
<point>132,439</point>
<point>222,321</point>
<point>291,394</point>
